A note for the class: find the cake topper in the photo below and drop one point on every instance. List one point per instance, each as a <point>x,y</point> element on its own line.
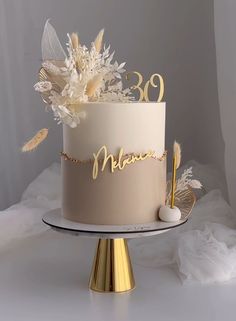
<point>144,92</point>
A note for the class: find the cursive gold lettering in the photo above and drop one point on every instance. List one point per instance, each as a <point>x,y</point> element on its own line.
<point>105,160</point>
<point>119,163</point>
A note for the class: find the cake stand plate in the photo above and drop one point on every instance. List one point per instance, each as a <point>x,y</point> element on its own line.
<point>112,269</point>
<point>57,222</point>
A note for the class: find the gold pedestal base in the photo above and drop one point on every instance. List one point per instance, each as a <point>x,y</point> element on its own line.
<point>112,269</point>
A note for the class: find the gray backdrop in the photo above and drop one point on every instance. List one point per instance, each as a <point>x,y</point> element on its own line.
<point>174,38</point>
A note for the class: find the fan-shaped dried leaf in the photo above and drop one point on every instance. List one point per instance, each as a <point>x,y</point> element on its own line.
<point>35,141</point>
<point>58,83</point>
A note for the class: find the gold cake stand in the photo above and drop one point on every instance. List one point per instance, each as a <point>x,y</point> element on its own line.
<point>112,269</point>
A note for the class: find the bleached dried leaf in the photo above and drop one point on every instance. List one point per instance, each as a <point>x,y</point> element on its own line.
<point>195,184</point>
<point>50,44</point>
<point>98,40</point>
<point>43,86</point>
<point>35,141</point>
<point>50,67</point>
<point>121,65</point>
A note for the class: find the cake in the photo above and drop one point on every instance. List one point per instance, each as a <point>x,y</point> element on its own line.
<point>132,195</point>
<point>113,158</point>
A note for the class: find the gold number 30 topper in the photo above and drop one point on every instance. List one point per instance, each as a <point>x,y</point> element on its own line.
<point>144,92</point>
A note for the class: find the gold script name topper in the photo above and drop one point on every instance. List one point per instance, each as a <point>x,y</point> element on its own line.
<point>144,91</point>
<point>103,158</point>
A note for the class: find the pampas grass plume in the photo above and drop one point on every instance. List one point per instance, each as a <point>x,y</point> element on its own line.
<point>35,141</point>
<point>98,40</point>
<point>93,84</point>
<point>177,153</point>
<point>75,40</point>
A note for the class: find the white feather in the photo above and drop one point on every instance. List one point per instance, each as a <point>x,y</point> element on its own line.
<point>50,44</point>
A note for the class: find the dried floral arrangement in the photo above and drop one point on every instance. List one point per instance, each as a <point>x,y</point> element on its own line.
<point>184,182</point>
<point>82,75</point>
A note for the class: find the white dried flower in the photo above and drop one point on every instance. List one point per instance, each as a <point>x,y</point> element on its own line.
<point>56,98</point>
<point>185,181</point>
<point>63,114</point>
<point>195,184</point>
<point>49,66</point>
<point>55,70</point>
<point>78,79</point>
<point>43,86</point>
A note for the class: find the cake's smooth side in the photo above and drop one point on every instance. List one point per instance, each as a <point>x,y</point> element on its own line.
<point>137,127</point>
<point>130,196</point>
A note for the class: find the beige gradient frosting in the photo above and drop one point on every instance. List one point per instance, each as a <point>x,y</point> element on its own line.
<point>137,127</point>
<point>133,195</point>
<point>129,196</point>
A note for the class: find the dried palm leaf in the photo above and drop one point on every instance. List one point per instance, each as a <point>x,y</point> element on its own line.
<point>58,81</point>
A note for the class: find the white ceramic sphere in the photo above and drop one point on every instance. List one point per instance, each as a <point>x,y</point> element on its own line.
<point>168,214</point>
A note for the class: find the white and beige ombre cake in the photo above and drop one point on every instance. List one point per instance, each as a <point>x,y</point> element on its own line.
<point>115,193</point>
<point>113,158</point>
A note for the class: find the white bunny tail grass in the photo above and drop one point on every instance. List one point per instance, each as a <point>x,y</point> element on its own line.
<point>75,40</point>
<point>35,141</point>
<point>93,85</point>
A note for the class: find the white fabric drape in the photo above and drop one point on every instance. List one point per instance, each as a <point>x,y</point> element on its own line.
<point>225,38</point>
<point>202,250</point>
